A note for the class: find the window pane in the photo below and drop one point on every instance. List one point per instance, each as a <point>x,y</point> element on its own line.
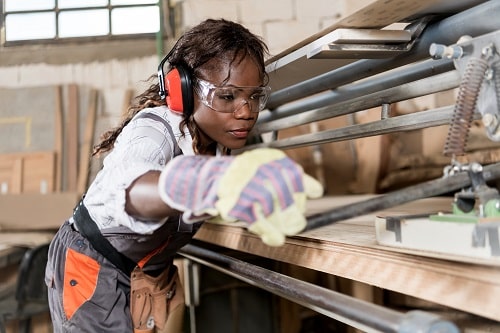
<point>83,23</point>
<point>22,5</point>
<point>81,3</point>
<point>132,2</point>
<point>135,20</point>
<point>30,26</point>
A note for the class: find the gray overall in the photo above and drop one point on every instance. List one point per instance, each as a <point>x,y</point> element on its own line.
<point>87,292</point>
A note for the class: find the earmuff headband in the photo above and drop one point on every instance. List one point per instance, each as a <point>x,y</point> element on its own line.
<point>161,75</point>
<point>176,87</point>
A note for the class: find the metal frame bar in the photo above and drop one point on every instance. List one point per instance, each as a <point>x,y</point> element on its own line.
<point>397,84</point>
<point>475,21</point>
<point>349,310</point>
<point>418,88</point>
<point>370,85</point>
<point>351,88</point>
<point>419,120</point>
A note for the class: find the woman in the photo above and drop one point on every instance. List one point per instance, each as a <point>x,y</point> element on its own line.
<point>110,265</point>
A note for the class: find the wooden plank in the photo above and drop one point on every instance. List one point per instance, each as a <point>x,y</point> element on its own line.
<point>38,172</point>
<point>25,238</point>
<point>72,135</point>
<point>17,176</point>
<point>27,172</point>
<point>127,98</point>
<point>5,176</point>
<point>88,138</point>
<point>58,138</point>
<point>36,211</point>
<point>11,173</point>
<point>349,249</point>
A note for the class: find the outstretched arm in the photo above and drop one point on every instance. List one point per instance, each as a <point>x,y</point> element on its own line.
<point>143,200</point>
<point>263,188</point>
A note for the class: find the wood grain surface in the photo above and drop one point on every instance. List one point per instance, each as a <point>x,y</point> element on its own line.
<point>349,249</point>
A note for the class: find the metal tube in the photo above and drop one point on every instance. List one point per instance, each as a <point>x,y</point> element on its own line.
<point>424,190</point>
<point>418,88</point>
<point>355,312</point>
<point>418,120</point>
<point>475,21</point>
<point>373,84</point>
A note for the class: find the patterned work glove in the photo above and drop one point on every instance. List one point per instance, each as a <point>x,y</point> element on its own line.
<point>263,188</point>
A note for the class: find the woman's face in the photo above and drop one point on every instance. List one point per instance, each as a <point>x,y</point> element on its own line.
<point>230,128</point>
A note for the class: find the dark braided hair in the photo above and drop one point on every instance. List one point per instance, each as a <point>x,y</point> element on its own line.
<point>211,39</point>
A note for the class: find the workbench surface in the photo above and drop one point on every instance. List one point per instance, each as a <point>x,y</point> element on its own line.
<point>349,249</point>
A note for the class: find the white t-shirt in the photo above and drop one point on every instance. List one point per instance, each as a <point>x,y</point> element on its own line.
<point>144,145</point>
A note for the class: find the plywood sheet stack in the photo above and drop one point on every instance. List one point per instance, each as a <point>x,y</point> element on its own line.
<point>44,169</point>
<point>41,182</point>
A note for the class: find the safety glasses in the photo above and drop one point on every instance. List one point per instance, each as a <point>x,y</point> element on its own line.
<point>231,98</point>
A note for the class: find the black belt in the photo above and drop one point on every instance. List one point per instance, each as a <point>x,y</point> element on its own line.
<point>87,227</point>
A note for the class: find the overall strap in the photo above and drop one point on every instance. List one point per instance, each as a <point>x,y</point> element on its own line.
<point>177,149</point>
<point>87,227</point>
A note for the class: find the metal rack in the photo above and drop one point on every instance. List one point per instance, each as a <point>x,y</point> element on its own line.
<point>368,83</point>
<point>377,75</point>
<point>357,313</point>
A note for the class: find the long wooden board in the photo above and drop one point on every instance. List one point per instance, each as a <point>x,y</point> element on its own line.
<point>36,211</point>
<point>58,137</point>
<point>349,249</point>
<point>72,138</point>
<point>32,172</point>
<point>86,149</point>
<point>24,239</point>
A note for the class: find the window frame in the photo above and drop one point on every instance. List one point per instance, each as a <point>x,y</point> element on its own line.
<point>80,39</point>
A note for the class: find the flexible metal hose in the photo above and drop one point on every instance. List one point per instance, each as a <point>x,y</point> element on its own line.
<point>463,114</point>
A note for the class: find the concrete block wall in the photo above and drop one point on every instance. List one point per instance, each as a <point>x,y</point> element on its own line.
<point>281,23</point>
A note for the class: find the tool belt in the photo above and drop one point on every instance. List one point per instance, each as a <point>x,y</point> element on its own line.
<point>152,298</point>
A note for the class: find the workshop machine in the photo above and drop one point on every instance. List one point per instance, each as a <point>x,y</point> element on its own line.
<point>360,63</point>
<point>355,68</point>
<point>471,227</point>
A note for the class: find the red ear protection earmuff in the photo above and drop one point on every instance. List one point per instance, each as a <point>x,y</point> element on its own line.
<point>176,88</point>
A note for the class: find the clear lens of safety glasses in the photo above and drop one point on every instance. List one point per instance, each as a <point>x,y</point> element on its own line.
<point>231,98</point>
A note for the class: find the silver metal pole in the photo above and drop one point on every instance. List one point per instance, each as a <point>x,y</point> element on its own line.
<point>370,85</point>
<point>418,88</point>
<point>414,121</point>
<point>349,310</point>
